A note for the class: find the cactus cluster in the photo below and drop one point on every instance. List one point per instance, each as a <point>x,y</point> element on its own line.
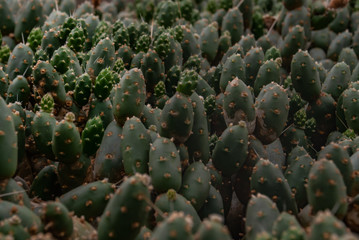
<point>190,119</point>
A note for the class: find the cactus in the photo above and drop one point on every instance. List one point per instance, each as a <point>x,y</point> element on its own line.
<point>305,76</point>
<point>88,200</point>
<point>18,91</point>
<point>29,220</point>
<point>8,140</point>
<point>164,165</point>
<point>126,221</point>
<point>297,175</point>
<point>46,79</point>
<point>7,19</point>
<point>272,106</point>
<point>233,22</point>
<point>260,216</point>
<point>269,72</point>
<point>57,219</point>
<point>30,16</point>
<point>284,222</point>
<point>177,115</point>
<point>66,141</point>
<point>102,56</point>
<point>209,41</point>
<point>196,184</point>
<point>82,89</point>
<point>46,185</point>
<point>167,12</point>
<point>51,41</point>
<point>92,135</point>
<point>134,135</point>
<point>253,60</point>
<point>108,162</point>
<point>337,80</point>
<point>233,67</point>
<point>153,70</point>
<point>269,180</point>
<point>43,125</point>
<point>197,143</point>
<point>293,41</point>
<point>230,151</point>
<point>213,228</point>
<point>213,204</point>
<point>325,224</point>
<point>20,61</point>
<point>172,201</point>
<point>325,171</point>
<point>341,159</point>
<point>103,84</point>
<point>129,99</point>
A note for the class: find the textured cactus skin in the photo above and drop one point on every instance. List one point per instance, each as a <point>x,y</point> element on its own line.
<point>8,142</point>
<point>46,184</point>
<point>350,107</point>
<point>233,22</point>
<point>267,73</point>
<point>125,222</point>
<point>284,222</point>
<point>232,68</point>
<point>108,162</point>
<point>88,200</point>
<point>171,201</point>
<point>213,228</point>
<point>238,104</point>
<point>177,118</point>
<point>135,146</point>
<point>4,83</point>
<point>324,224</point>
<point>102,56</point>
<point>46,79</point>
<point>57,219</point>
<point>18,91</point>
<point>269,180</point>
<point>272,107</point>
<point>51,41</point>
<point>253,60</point>
<point>92,136</point>
<point>294,41</point>
<point>339,155</point>
<point>28,218</point>
<point>164,165</point>
<point>72,175</point>
<point>13,228</point>
<point>177,226</point>
<point>130,94</point>
<point>66,140</point>
<point>102,109</point>
<point>30,17</point>
<point>340,42</point>
<point>337,80</point>
<point>213,204</point>
<point>14,192</point>
<point>42,127</point>
<point>209,41</point>
<point>196,184</point>
<point>20,61</point>
<point>197,143</point>
<point>230,151</point>
<point>305,76</point>
<point>7,19</point>
<point>103,84</point>
<point>297,176</point>
<point>261,214</point>
<point>325,171</point>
